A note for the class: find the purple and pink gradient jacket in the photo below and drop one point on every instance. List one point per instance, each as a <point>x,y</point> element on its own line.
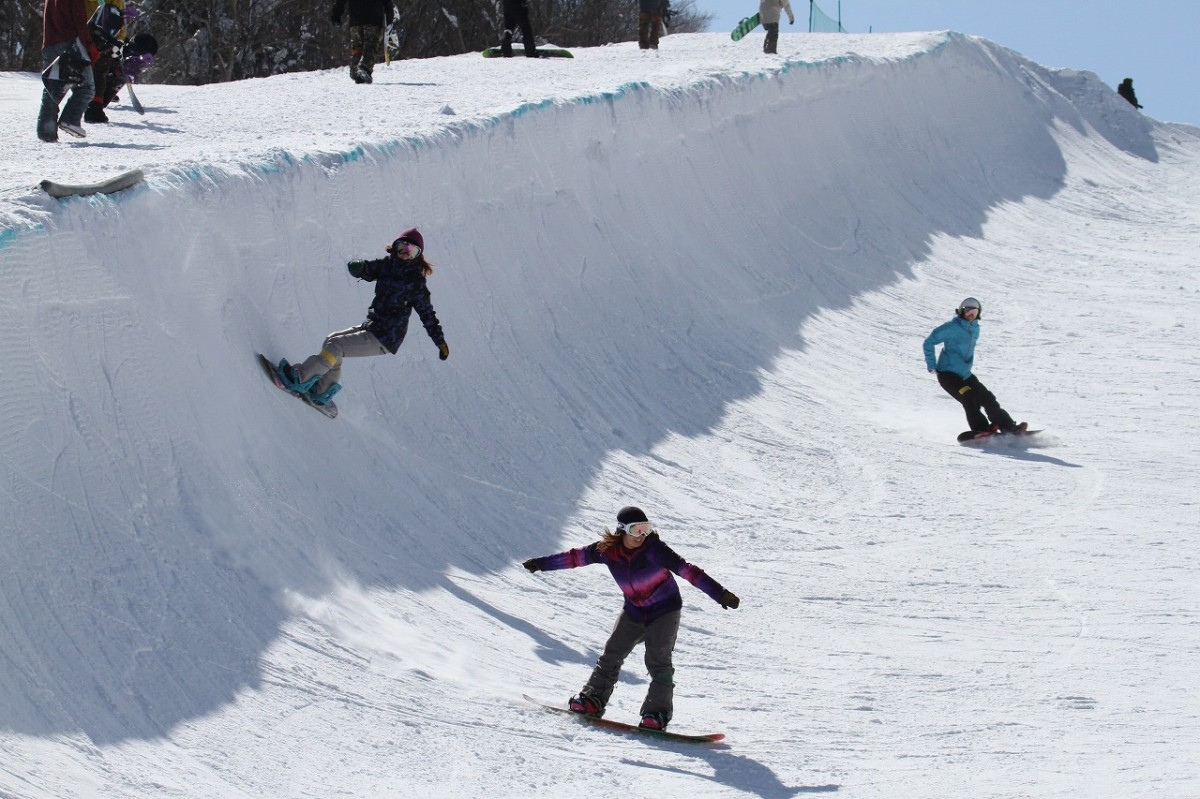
<point>643,574</point>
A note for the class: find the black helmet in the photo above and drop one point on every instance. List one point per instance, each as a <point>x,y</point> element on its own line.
<point>969,302</point>
<point>630,515</point>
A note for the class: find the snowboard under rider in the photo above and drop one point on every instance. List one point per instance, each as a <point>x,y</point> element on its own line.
<point>641,564</point>
<point>399,290</point>
<point>954,375</point>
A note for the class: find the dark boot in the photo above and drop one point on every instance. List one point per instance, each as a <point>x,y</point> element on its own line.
<point>95,113</point>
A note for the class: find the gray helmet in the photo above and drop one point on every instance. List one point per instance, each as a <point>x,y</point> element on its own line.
<point>969,302</point>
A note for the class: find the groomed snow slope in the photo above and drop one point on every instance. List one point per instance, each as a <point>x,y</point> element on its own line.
<point>697,282</point>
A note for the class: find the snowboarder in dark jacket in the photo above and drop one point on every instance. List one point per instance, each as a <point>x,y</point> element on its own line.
<point>1126,91</point>
<point>954,370</point>
<point>642,565</point>
<point>399,290</point>
<point>368,18</point>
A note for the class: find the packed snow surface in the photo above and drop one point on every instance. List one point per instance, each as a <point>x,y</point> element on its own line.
<point>696,280</point>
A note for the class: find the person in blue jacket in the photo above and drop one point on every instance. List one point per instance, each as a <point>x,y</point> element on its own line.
<point>954,374</point>
<point>641,563</point>
<point>400,289</point>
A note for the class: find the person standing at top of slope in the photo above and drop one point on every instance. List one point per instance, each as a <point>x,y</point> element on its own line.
<point>65,36</point>
<point>516,15</point>
<point>650,20</point>
<point>642,565</point>
<point>399,289</point>
<point>768,14</point>
<point>368,18</point>
<point>953,368</point>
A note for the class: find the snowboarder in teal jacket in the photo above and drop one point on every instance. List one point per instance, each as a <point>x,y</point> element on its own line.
<point>954,370</point>
<point>642,566</point>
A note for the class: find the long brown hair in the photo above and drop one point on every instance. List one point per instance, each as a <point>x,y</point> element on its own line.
<point>607,539</point>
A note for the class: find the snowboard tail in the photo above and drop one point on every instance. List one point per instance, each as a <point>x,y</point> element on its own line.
<point>329,409</point>
<point>745,26</point>
<point>633,729</point>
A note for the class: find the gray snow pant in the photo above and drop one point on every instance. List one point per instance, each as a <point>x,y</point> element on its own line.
<point>659,636</point>
<point>353,342</point>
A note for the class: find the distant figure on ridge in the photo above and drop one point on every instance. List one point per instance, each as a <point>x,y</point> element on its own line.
<point>399,290</point>
<point>107,27</point>
<point>769,13</point>
<point>642,566</point>
<point>1126,91</point>
<point>65,39</point>
<point>954,375</point>
<point>368,18</point>
<point>516,15</point>
<point>650,21</point>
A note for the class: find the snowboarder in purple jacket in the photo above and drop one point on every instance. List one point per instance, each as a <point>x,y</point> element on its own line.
<point>642,565</point>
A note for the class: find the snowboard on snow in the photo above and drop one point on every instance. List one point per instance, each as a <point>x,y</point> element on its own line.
<point>329,409</point>
<point>121,182</point>
<point>620,726</point>
<point>972,437</point>
<point>745,26</point>
<point>542,52</point>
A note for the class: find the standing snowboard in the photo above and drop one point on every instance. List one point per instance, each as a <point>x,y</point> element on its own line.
<point>329,409</point>
<point>621,726</point>
<point>745,26</point>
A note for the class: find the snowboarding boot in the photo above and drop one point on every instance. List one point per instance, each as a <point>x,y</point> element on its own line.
<point>325,396</point>
<point>586,704</point>
<point>95,113</point>
<point>291,381</point>
<point>655,721</point>
<point>506,44</point>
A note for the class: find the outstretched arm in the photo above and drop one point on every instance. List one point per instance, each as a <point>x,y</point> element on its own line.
<point>669,559</point>
<point>571,559</point>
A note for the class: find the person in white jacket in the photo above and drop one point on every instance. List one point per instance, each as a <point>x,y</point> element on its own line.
<point>768,14</point>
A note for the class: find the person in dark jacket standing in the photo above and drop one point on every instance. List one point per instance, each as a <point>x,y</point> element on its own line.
<point>650,20</point>
<point>399,290</point>
<point>65,33</point>
<point>642,566</point>
<point>516,15</point>
<point>368,18</point>
<point>954,370</point>
<point>1126,91</point>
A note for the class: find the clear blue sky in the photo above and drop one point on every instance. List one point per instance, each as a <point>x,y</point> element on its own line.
<point>1155,42</point>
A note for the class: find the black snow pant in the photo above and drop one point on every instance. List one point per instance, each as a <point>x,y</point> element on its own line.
<point>772,40</point>
<point>976,401</point>
<point>659,636</point>
<point>516,15</point>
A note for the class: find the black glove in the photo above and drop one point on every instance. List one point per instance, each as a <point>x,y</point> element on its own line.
<point>356,268</point>
<point>336,18</point>
<point>443,351</point>
<point>730,600</point>
<point>531,565</point>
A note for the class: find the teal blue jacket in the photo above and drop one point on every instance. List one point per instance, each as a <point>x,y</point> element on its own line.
<point>957,337</point>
